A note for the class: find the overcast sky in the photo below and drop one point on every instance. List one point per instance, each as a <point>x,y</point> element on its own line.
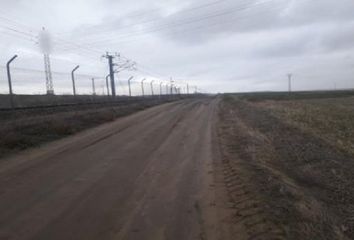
<point>218,45</point>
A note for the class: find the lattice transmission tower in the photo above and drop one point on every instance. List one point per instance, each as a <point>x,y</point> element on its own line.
<point>48,75</point>
<point>45,44</point>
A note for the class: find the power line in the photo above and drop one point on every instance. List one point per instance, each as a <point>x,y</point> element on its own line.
<point>105,29</point>
<point>30,70</point>
<point>17,31</point>
<point>88,49</point>
<point>181,31</point>
<point>153,19</point>
<point>28,32</point>
<point>12,34</point>
<point>29,36</point>
<point>178,24</point>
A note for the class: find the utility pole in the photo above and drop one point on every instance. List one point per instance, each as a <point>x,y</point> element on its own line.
<point>9,80</point>
<point>152,87</point>
<point>142,87</point>
<point>187,88</point>
<point>111,72</point>
<point>290,75</point>
<point>73,79</point>
<point>93,87</point>
<point>130,90</point>
<point>107,84</point>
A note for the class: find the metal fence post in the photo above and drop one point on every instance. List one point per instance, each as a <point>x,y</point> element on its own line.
<point>9,80</point>
<point>93,87</point>
<point>73,79</point>
<point>152,87</point>
<point>107,84</point>
<point>142,86</point>
<point>130,90</point>
<point>161,89</point>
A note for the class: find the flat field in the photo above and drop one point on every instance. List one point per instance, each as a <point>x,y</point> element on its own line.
<point>288,164</point>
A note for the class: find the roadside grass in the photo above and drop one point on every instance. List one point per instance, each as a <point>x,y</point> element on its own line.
<point>283,96</point>
<point>328,115</point>
<point>293,160</point>
<point>329,119</point>
<point>37,100</point>
<point>23,133</point>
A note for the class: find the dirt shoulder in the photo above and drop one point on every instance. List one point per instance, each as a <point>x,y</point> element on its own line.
<point>283,182</point>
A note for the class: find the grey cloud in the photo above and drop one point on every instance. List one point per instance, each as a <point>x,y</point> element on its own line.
<point>230,48</point>
<point>254,16</point>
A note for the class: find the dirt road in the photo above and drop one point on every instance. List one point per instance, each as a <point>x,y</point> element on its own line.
<point>145,176</point>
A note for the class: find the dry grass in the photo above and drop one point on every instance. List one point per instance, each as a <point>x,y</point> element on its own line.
<point>329,119</point>
<point>294,160</point>
<point>36,100</point>
<point>25,131</point>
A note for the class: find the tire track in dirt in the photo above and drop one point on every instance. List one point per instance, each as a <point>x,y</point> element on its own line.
<point>247,206</point>
<point>302,183</point>
<point>320,173</point>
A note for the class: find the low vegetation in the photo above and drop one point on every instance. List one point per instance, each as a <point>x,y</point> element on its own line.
<point>39,100</point>
<point>288,163</point>
<point>25,129</point>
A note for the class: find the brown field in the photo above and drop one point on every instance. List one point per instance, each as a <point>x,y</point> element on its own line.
<point>288,165</point>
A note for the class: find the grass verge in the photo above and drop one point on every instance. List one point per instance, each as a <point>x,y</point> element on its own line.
<point>31,131</point>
